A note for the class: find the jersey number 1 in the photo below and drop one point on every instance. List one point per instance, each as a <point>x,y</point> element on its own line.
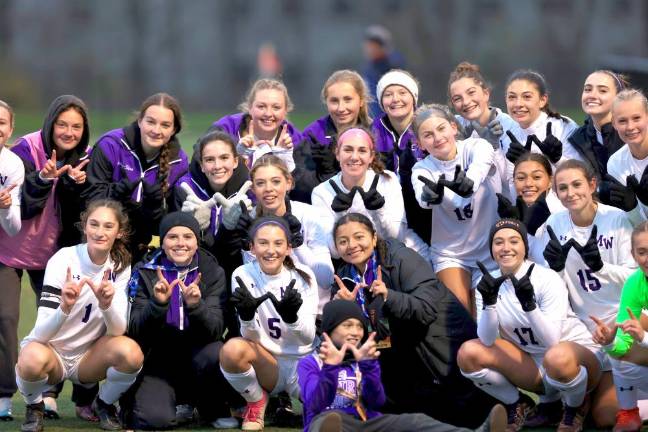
<point>86,317</point>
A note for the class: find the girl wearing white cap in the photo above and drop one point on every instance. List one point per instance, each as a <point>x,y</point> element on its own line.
<point>397,93</point>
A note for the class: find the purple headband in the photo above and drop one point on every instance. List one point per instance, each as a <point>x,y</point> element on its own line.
<point>265,221</point>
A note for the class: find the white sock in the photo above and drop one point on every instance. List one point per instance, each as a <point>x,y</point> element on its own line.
<point>574,391</point>
<point>32,391</point>
<point>626,391</point>
<point>495,384</point>
<point>246,384</point>
<point>116,384</point>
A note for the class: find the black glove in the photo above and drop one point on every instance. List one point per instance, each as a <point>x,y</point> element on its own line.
<point>506,209</point>
<point>342,201</point>
<point>489,286</point>
<point>640,188</point>
<point>372,198</point>
<point>461,185</point>
<point>152,192</point>
<point>289,305</point>
<point>590,252</point>
<point>326,165</point>
<point>524,290</point>
<point>551,147</point>
<point>556,253</point>
<point>242,227</point>
<point>244,302</point>
<point>516,149</point>
<point>534,215</point>
<point>612,192</point>
<point>123,189</point>
<point>296,236</point>
<point>432,192</point>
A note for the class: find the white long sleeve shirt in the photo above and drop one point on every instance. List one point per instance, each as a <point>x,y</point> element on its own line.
<point>267,328</point>
<point>461,225</point>
<point>596,293</point>
<point>12,172</point>
<point>389,221</point>
<point>622,164</point>
<point>73,334</point>
<point>534,332</point>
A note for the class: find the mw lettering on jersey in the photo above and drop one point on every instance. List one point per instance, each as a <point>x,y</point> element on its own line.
<point>3,179</point>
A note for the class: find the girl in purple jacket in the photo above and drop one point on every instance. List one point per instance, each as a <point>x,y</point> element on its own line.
<point>341,387</point>
<point>139,165</point>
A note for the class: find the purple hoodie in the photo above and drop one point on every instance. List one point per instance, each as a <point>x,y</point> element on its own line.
<point>234,124</point>
<point>319,384</point>
<point>386,138</point>
<point>321,129</point>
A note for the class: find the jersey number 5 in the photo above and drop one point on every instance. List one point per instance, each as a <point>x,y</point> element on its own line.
<point>275,330</point>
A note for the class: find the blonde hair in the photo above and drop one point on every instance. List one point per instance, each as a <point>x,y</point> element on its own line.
<point>265,84</point>
<point>352,77</point>
<point>10,110</point>
<point>628,95</point>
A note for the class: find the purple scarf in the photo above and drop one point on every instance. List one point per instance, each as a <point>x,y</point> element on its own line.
<point>176,305</point>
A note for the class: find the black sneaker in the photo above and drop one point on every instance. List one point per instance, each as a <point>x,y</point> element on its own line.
<point>545,414</point>
<point>33,418</point>
<point>107,414</point>
<point>517,412</point>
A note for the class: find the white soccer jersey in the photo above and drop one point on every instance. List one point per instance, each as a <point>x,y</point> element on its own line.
<point>12,172</point>
<point>267,328</point>
<point>560,128</point>
<point>73,334</point>
<point>317,230</point>
<point>622,164</point>
<point>461,224</point>
<point>596,293</point>
<point>534,332</point>
<point>389,221</point>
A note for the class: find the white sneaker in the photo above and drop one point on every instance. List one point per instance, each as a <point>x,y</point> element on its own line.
<point>5,409</point>
<point>226,423</point>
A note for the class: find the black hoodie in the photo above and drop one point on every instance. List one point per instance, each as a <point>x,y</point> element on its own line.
<point>35,191</point>
<point>584,141</point>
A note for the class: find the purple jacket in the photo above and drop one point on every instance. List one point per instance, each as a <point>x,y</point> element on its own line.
<point>319,384</point>
<point>323,130</point>
<point>386,139</point>
<point>118,152</point>
<point>235,124</point>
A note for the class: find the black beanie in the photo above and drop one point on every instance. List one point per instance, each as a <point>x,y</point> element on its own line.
<point>179,219</point>
<point>337,311</point>
<point>513,224</point>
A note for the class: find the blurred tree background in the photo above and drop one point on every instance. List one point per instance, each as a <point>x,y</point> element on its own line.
<point>115,53</point>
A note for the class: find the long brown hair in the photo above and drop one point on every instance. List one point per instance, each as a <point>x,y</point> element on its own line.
<point>119,251</point>
<point>167,101</point>
<point>267,160</point>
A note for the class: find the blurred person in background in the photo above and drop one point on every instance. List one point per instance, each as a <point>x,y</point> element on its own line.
<point>381,58</point>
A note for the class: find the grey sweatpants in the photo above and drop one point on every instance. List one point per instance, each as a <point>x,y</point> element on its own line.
<point>387,422</point>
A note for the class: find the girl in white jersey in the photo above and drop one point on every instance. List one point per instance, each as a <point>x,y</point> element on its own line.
<point>538,128</point>
<point>528,305</point>
<point>469,96</point>
<point>629,165</point>
<point>364,186</point>
<point>311,230</point>
<point>589,245</point>
<point>82,316</point>
<point>12,174</point>
<point>458,181</point>
<point>276,301</point>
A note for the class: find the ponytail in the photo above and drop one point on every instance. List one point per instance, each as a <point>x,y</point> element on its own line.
<point>290,265</point>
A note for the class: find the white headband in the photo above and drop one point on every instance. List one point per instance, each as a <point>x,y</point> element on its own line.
<point>396,78</point>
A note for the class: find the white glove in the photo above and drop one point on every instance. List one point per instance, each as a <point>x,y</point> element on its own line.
<point>200,209</point>
<point>230,208</point>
